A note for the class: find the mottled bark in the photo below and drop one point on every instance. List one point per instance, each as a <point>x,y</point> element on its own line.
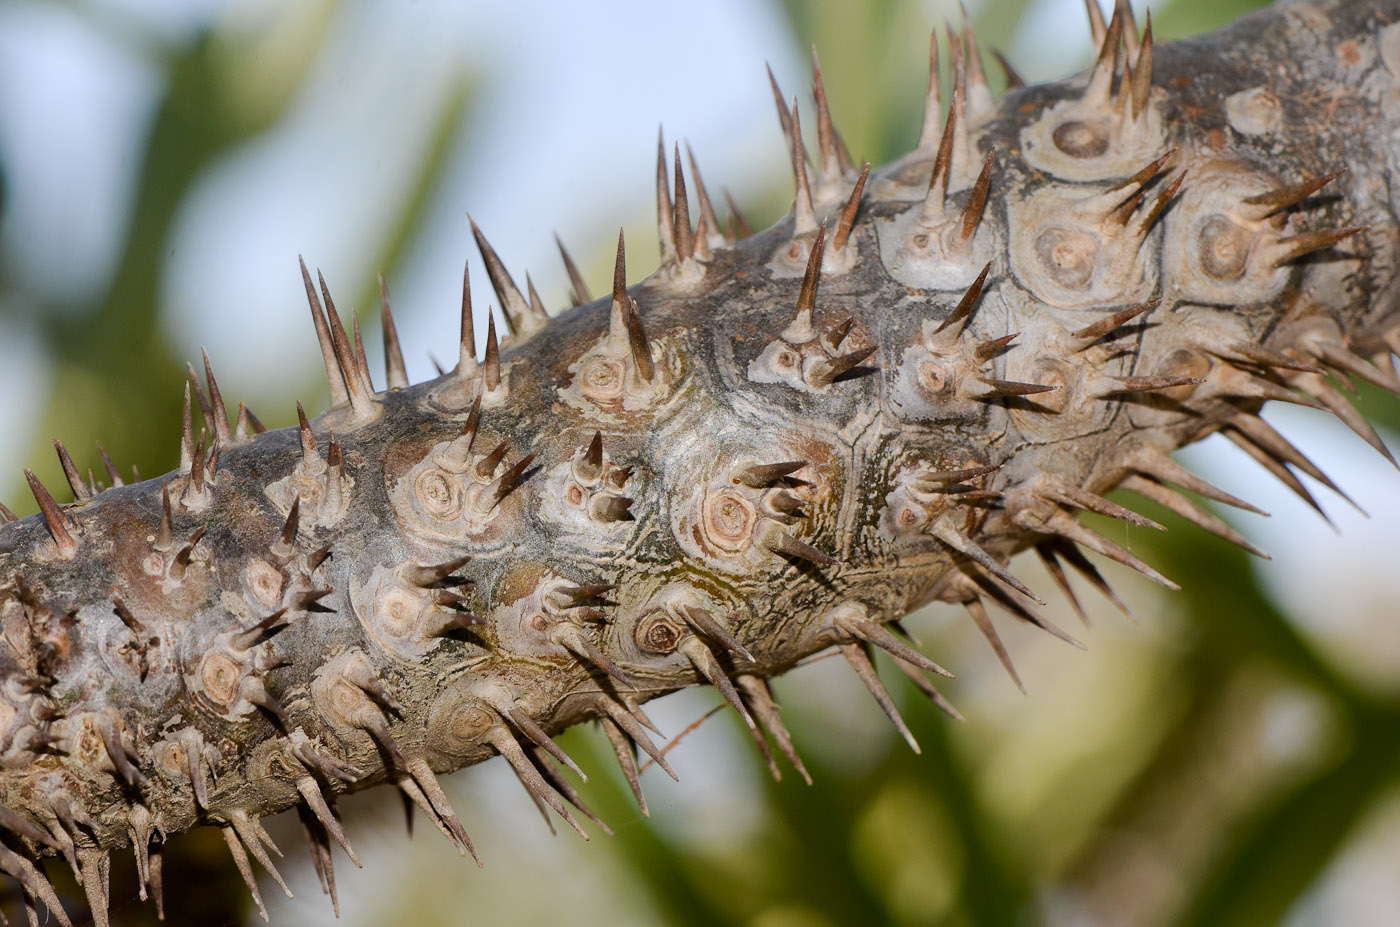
<point>726,468</point>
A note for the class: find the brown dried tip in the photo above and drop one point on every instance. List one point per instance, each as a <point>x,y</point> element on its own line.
<point>426,576</point>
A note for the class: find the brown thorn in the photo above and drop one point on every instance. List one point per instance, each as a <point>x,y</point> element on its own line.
<point>780,542</point>
<point>933,98</point>
<point>571,637</point>
<point>186,435</point>
<point>581,294</point>
<point>1047,553</point>
<point>508,480</point>
<point>708,666</point>
<point>825,372</point>
<point>334,378</point>
<point>707,625</point>
<point>684,235</point>
<point>213,408</point>
<point>942,166</point>
<point>999,389</point>
<point>1092,333</point>
<point>1276,445</point>
<point>811,277</point>
<point>848,214</point>
<point>1097,28</point>
<point>81,493</point>
<point>830,154</point>
<point>950,477</point>
<point>164,539</point>
<point>963,311</point>
<point>359,390</point>
<point>1148,384</point>
<point>745,230</point>
<point>758,696</point>
<point>858,656</point>
<point>641,347</point>
<point>665,222</point>
<point>1283,197</point>
<point>1142,72</point>
<point>759,476</point>
<point>986,350</point>
<point>707,209</point>
<point>977,202</point>
<point>1164,199</point>
<point>978,612</point>
<point>505,744</point>
<point>60,525</point>
<point>425,576</point>
<point>395,373</point>
<point>1077,497</point>
<point>804,216</point>
<point>309,455</point>
<point>1014,81</point>
<point>944,531</point>
<point>526,725</point>
<point>872,632</point>
<point>517,312</point>
<point>1068,527</point>
<point>486,468</point>
<point>492,362</point>
<point>113,476</point>
<point>1173,501</point>
<point>537,307</point>
<point>626,760</point>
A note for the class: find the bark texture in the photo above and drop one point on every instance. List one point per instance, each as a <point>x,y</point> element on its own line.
<point>771,447</point>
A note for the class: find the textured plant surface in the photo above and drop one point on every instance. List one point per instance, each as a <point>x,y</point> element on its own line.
<point>777,445</point>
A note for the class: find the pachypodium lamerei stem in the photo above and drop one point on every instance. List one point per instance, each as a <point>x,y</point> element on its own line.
<point>775,445</point>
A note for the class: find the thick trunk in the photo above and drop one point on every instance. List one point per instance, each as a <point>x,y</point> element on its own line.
<point>292,615</point>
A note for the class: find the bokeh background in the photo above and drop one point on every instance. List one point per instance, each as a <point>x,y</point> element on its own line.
<point>1230,758</point>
